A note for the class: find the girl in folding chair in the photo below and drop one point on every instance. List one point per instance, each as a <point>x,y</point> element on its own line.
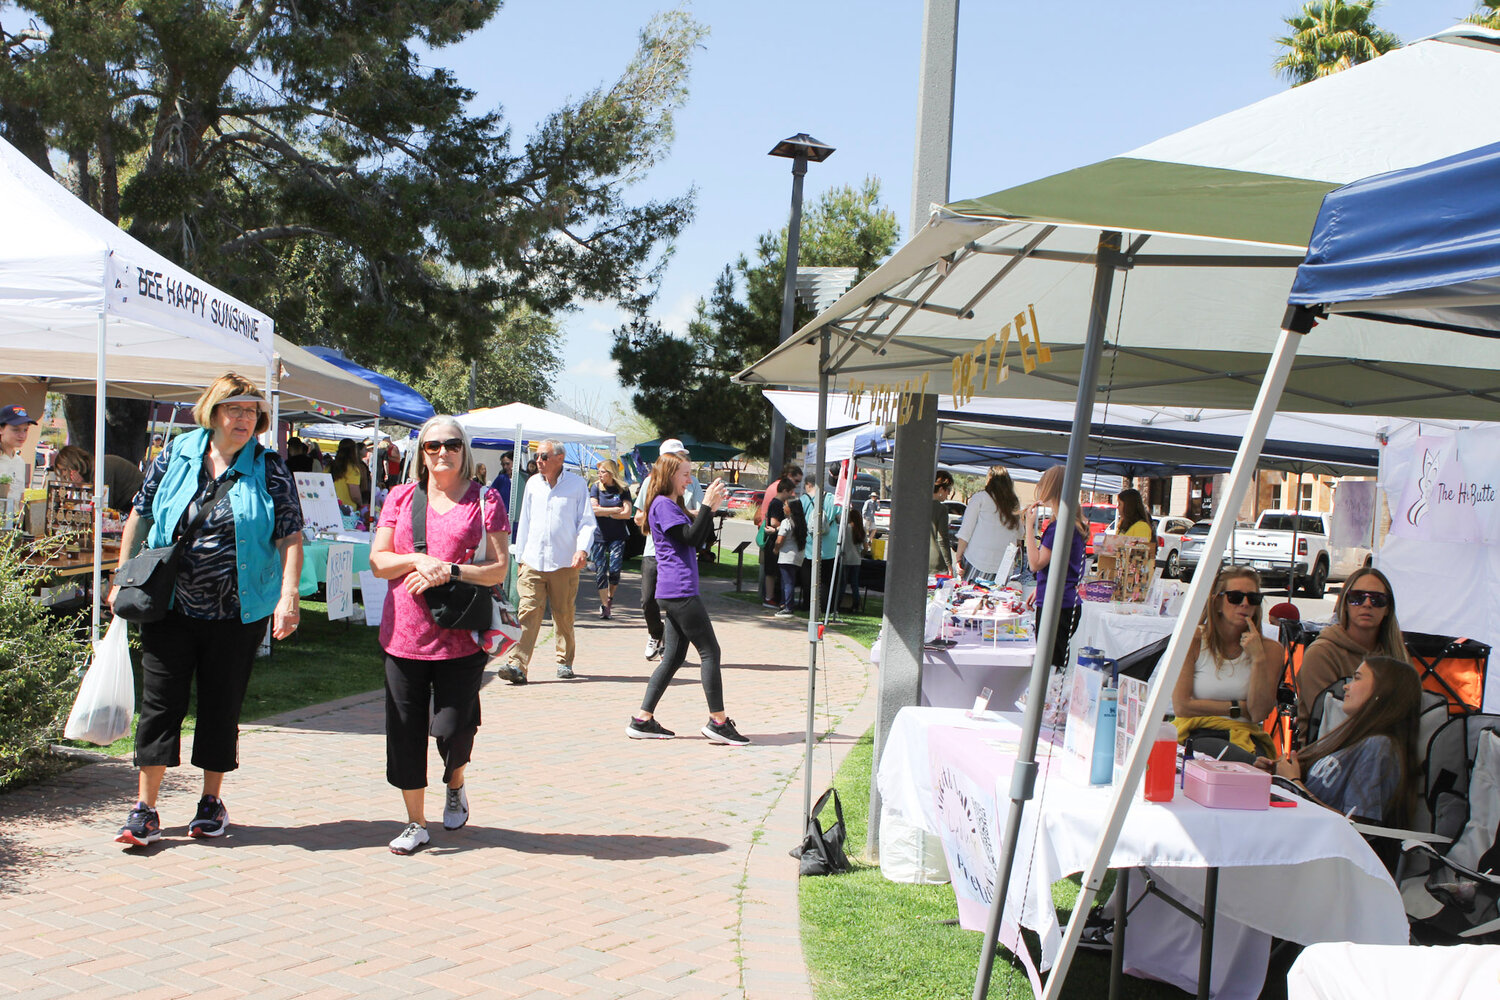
<point>1367,767</point>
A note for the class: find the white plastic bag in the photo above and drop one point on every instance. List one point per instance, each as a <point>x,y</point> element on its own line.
<point>106,698</point>
<point>933,624</point>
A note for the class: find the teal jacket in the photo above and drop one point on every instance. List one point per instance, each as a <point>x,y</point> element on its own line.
<point>257,560</point>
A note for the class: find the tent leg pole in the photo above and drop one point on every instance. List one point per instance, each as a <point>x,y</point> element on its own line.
<point>815,593</point>
<point>1172,662</point>
<point>1024,776</point>
<point>99,402</point>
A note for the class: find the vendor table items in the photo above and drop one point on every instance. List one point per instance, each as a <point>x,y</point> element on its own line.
<point>1299,873</point>
<point>315,562</point>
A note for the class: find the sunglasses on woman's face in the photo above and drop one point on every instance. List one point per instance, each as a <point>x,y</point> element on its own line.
<point>452,444</point>
<point>1241,596</point>
<point>1373,598</point>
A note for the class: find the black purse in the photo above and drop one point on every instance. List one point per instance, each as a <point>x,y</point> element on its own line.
<point>146,581</point>
<point>822,851</point>
<point>458,605</point>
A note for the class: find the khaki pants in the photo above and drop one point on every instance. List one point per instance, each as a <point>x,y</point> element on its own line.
<point>537,590</point>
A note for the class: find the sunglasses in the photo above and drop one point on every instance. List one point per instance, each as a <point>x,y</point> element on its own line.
<point>452,444</point>
<point>1241,596</point>
<point>1373,598</point>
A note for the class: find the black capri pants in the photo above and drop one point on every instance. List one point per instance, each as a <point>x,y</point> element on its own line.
<point>179,652</point>
<point>1067,624</point>
<point>440,697</point>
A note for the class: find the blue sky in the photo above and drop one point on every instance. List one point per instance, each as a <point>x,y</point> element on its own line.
<point>1042,87</point>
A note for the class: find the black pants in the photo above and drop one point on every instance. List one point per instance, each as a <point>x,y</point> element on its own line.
<point>649,607</point>
<point>178,651</point>
<point>451,689</point>
<point>687,621</point>
<point>773,576</point>
<point>1067,624</point>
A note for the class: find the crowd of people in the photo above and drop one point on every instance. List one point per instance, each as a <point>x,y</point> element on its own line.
<point>235,504</point>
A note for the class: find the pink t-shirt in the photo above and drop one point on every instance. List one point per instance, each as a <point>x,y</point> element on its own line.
<point>406,626</point>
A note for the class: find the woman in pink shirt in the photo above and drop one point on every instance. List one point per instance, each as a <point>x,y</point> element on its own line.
<point>425,663</point>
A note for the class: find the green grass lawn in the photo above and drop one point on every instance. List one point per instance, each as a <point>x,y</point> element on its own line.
<point>867,938</point>
<point>326,660</point>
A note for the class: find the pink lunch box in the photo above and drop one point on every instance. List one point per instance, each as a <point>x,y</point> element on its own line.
<point>1223,784</point>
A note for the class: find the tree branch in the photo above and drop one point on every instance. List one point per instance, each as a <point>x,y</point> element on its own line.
<point>259,236</point>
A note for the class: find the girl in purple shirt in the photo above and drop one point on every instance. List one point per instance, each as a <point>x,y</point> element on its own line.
<point>677,538</point>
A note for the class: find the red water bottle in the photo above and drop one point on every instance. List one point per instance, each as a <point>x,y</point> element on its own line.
<point>1161,766</point>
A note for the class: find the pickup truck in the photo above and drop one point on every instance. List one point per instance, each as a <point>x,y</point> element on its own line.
<point>1267,547</point>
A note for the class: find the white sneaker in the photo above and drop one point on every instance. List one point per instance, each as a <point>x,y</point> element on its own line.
<point>413,837</point>
<point>456,808</point>
<point>653,648</point>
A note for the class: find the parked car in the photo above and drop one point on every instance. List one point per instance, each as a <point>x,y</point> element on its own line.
<point>1101,517</point>
<point>956,510</point>
<point>1267,547</point>
<point>1171,532</point>
<point>743,498</point>
<point>882,517</point>
<point>1191,549</point>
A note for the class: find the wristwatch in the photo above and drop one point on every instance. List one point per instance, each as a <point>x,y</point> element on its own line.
<point>453,575</point>
<point>1234,710</point>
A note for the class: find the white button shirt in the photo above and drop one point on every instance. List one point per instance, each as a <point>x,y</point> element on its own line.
<point>556,522</point>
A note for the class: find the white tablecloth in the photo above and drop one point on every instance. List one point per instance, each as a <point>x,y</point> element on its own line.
<point>1103,626</point>
<point>1302,873</point>
<point>953,677</point>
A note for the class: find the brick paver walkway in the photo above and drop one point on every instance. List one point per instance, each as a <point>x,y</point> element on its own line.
<point>593,866</point>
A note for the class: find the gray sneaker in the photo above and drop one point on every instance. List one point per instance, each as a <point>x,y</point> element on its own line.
<point>512,673</point>
<point>455,808</point>
<point>565,672</point>
<point>413,837</point>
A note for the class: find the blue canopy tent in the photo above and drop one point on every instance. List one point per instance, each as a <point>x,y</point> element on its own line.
<point>1419,246</point>
<point>401,403</point>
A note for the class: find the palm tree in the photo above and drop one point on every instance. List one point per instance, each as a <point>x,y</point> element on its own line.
<point>1328,36</point>
<point>1488,14</point>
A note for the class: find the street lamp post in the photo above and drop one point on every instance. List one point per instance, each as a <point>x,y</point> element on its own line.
<point>800,148</point>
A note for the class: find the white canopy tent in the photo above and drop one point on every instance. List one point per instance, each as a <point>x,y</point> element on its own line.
<point>520,422</point>
<point>1184,252</point>
<point>80,297</point>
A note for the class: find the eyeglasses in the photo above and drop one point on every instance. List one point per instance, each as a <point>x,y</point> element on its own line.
<point>1373,598</point>
<point>547,457</point>
<point>236,411</point>
<point>452,444</point>
<point>1241,596</point>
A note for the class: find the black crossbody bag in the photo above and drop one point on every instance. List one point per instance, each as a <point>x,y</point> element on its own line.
<point>146,581</point>
<point>458,605</point>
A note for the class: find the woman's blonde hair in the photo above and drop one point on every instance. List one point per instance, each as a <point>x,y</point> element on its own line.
<point>465,467</point>
<point>224,387</point>
<point>1210,633</point>
<point>659,483</point>
<point>1049,494</point>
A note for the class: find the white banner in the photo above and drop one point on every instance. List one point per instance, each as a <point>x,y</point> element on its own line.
<point>1446,488</point>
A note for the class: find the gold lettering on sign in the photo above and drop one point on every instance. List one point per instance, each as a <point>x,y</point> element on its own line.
<point>1043,353</point>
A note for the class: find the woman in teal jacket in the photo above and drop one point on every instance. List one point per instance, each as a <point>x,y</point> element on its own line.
<point>240,568</point>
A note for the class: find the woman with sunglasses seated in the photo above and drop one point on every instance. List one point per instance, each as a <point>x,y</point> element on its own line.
<point>1364,625</point>
<point>1230,685</point>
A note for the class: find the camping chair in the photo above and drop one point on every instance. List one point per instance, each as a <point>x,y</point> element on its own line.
<point>1295,638</point>
<point>1454,668</point>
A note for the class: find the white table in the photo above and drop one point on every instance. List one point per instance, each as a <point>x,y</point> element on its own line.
<point>953,677</point>
<point>1117,632</point>
<point>1301,873</point>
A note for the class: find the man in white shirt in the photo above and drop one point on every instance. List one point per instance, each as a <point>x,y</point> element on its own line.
<point>15,425</point>
<point>692,498</point>
<point>553,534</point>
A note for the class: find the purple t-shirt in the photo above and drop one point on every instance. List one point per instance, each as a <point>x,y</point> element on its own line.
<point>406,626</point>
<point>676,562</point>
<point>1075,568</point>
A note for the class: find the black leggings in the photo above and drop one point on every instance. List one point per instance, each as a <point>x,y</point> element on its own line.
<point>650,609</point>
<point>687,621</point>
<point>436,696</point>
<point>1067,624</point>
